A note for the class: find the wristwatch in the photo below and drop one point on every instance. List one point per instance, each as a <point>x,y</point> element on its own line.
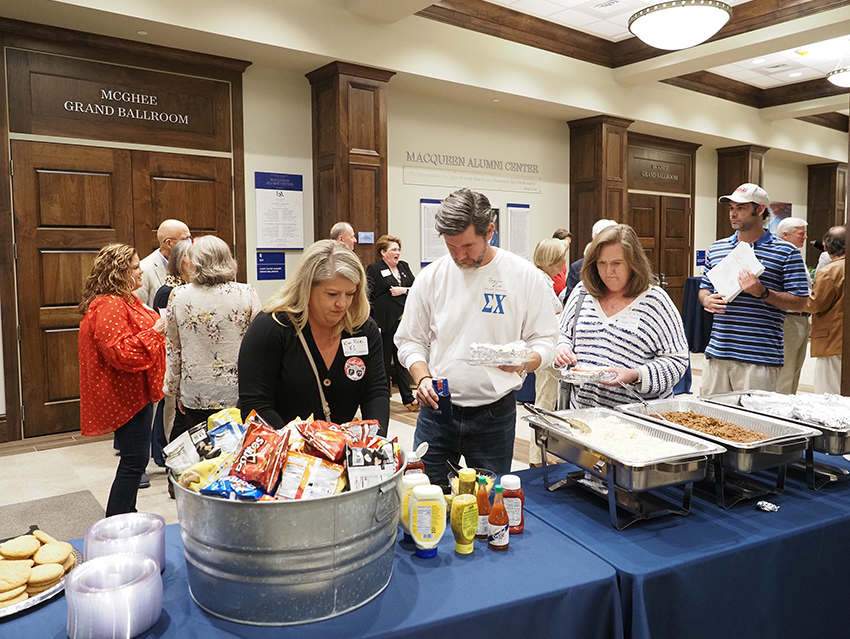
<point>765,295</point>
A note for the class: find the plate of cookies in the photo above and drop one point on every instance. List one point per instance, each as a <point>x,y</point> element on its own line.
<point>33,569</point>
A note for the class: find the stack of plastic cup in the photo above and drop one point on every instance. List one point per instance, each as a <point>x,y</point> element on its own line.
<point>131,532</point>
<point>113,597</point>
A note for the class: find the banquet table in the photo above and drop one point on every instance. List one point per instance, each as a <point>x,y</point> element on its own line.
<point>543,585</point>
<point>741,572</point>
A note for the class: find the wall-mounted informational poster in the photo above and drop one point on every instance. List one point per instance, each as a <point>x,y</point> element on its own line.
<point>280,210</point>
<point>433,246</point>
<point>271,265</point>
<point>518,228</point>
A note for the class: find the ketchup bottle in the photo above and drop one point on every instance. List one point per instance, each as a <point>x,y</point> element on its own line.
<point>514,503</point>
<point>499,536</point>
<point>483,498</point>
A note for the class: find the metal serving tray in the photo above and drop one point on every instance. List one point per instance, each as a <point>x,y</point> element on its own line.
<point>631,475</point>
<point>831,441</point>
<point>784,442</point>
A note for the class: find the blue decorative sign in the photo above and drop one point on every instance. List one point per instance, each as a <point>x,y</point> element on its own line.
<point>700,258</point>
<point>271,265</point>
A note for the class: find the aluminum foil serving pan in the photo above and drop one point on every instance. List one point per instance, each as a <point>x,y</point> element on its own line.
<point>634,474</point>
<point>833,440</point>
<point>783,441</point>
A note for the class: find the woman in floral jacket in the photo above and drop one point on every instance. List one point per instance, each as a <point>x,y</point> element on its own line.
<point>204,326</point>
<point>122,357</point>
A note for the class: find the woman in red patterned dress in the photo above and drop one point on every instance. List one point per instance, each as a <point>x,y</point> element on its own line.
<point>122,364</point>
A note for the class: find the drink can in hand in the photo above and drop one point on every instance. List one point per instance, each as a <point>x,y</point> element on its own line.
<point>443,412</point>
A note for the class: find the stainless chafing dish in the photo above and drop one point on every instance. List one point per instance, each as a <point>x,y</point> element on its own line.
<point>784,442</point>
<point>830,441</point>
<point>731,471</point>
<point>625,478</point>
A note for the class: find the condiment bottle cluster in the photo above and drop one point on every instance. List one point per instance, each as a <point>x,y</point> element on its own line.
<point>423,515</point>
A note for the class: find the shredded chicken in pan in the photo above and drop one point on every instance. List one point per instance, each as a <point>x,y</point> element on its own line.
<point>715,427</point>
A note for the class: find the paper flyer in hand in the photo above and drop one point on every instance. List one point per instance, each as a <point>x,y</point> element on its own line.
<point>724,276</point>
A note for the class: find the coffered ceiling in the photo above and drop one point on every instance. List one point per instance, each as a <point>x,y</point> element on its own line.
<point>772,55</point>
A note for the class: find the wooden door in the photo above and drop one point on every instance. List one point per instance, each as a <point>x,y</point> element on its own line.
<point>674,255</point>
<point>194,189</point>
<point>663,224</point>
<point>69,202</point>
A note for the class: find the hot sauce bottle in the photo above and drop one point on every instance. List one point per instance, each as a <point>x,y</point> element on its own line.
<point>483,510</point>
<point>499,536</point>
<point>514,502</point>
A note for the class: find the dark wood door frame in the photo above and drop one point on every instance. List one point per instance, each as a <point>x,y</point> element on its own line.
<point>35,37</point>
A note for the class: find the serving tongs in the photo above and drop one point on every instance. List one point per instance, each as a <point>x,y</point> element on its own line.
<point>544,416</point>
<point>646,404</point>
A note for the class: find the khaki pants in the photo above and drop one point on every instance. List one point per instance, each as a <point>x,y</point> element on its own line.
<point>546,381</point>
<point>724,375</point>
<point>828,374</point>
<point>796,340</point>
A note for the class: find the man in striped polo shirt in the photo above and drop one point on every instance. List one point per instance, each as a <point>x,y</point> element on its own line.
<point>745,351</point>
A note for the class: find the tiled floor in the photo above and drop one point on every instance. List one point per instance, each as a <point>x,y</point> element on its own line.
<point>59,465</point>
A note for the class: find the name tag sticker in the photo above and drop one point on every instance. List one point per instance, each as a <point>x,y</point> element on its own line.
<point>355,346</point>
<point>386,272</point>
<point>629,322</point>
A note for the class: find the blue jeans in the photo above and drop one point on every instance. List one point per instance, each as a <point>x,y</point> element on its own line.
<point>133,440</point>
<point>484,435</point>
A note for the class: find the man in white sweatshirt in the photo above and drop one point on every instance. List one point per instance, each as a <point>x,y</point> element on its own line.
<point>476,293</point>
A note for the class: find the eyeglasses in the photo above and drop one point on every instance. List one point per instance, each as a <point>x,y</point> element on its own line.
<point>177,239</point>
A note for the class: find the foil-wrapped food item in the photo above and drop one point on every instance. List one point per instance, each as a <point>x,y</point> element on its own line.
<point>766,506</point>
<point>583,374</point>
<point>828,410</point>
<point>511,354</point>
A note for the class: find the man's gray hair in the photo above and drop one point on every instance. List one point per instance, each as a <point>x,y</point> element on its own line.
<point>461,209</point>
<point>788,224</point>
<point>339,228</point>
<point>833,241</point>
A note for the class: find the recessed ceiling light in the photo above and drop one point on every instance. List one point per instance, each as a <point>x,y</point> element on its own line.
<point>758,60</point>
<point>495,99</point>
<point>141,32</point>
<point>796,74</point>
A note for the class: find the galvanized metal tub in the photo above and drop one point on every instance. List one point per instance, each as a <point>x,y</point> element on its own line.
<point>283,563</point>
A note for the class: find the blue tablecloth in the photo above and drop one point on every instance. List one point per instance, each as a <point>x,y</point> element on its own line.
<point>741,573</point>
<point>545,585</point>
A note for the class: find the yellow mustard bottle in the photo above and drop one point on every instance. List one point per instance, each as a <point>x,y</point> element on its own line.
<point>427,519</point>
<point>464,520</point>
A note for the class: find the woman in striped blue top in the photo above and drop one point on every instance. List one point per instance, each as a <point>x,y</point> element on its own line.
<point>617,319</point>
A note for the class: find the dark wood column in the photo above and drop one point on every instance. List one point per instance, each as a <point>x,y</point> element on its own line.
<point>736,165</point>
<point>350,150</point>
<point>826,201</point>
<point>598,168</point>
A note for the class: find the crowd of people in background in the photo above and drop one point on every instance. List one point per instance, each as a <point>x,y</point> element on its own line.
<point>178,325</point>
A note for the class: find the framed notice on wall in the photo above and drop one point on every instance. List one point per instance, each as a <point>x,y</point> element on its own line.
<point>280,210</point>
<point>433,246</point>
<point>518,228</point>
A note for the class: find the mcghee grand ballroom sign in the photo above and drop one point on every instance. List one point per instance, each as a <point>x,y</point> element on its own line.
<point>56,95</point>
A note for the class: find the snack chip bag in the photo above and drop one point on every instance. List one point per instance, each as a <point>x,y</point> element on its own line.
<point>233,488</point>
<point>362,428</point>
<point>369,466</point>
<point>326,439</point>
<point>305,476</point>
<point>205,472</point>
<point>227,436</point>
<point>262,454</point>
<point>225,415</point>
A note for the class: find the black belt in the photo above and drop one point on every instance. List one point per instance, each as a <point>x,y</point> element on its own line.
<point>470,411</point>
<point>798,314</point>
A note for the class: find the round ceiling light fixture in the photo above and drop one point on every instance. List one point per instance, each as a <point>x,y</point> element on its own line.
<point>679,24</point>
